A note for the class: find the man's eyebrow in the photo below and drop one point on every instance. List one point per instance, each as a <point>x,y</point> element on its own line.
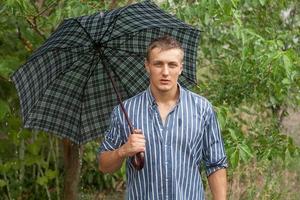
<point>157,61</point>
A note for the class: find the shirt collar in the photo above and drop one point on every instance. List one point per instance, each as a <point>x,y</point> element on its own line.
<point>152,101</point>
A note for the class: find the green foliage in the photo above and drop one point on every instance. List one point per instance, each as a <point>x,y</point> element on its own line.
<point>249,67</point>
<point>4,109</point>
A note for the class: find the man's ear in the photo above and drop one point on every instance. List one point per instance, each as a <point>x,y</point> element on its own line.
<point>147,66</point>
<point>181,69</point>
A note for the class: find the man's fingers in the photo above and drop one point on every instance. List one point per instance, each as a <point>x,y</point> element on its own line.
<point>137,131</point>
<point>136,143</point>
<point>134,137</point>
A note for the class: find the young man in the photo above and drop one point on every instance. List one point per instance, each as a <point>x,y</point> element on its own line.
<point>179,131</point>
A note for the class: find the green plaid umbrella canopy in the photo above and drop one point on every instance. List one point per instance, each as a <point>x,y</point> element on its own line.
<point>64,88</point>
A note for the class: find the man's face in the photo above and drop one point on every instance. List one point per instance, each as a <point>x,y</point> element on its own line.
<point>164,68</point>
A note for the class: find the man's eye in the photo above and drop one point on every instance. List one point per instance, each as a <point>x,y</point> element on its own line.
<point>173,65</point>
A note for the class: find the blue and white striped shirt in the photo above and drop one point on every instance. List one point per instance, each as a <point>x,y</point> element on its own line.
<point>174,151</point>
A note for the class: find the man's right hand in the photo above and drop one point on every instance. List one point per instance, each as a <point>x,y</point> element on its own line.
<point>136,143</point>
<point>111,161</point>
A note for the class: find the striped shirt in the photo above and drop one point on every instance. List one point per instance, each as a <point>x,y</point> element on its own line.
<point>174,151</point>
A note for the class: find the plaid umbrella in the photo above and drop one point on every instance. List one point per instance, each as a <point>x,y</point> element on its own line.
<point>64,87</point>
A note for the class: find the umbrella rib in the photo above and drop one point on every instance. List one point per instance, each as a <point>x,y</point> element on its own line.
<point>114,22</point>
<point>126,51</point>
<point>66,48</point>
<point>50,50</point>
<point>89,36</point>
<point>131,34</point>
<point>91,70</point>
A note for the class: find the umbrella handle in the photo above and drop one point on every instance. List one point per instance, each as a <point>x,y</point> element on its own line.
<point>138,160</point>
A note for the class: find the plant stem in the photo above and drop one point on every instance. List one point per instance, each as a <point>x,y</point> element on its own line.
<point>45,186</point>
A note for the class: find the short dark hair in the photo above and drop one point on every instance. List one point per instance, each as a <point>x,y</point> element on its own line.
<point>164,43</point>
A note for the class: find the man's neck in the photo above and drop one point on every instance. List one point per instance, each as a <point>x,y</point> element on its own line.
<point>166,98</point>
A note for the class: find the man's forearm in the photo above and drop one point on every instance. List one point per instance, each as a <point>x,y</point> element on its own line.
<point>218,184</point>
<point>110,161</point>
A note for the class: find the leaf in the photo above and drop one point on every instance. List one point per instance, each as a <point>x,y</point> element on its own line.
<point>273,100</point>
<point>262,2</point>
<point>222,116</point>
<point>90,178</point>
<point>2,183</point>
<point>5,71</point>
<point>234,158</point>
<point>4,109</point>
<point>232,134</point>
<point>89,156</point>
<point>51,174</point>
<point>34,148</point>
<point>32,159</point>
<point>246,152</point>
<point>287,64</point>
<point>43,180</point>
<point>252,32</point>
<point>4,168</point>
<point>206,19</point>
<point>7,65</point>
<point>286,81</point>
<point>14,124</point>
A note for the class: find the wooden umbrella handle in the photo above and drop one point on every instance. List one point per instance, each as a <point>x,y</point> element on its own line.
<point>138,160</point>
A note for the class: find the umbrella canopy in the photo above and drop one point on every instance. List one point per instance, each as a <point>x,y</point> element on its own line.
<point>64,87</point>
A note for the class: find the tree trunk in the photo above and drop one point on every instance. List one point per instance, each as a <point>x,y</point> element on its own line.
<point>72,165</point>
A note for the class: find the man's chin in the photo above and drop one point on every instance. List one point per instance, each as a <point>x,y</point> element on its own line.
<point>165,88</point>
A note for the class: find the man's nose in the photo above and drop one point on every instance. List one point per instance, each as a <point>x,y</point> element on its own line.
<point>165,70</point>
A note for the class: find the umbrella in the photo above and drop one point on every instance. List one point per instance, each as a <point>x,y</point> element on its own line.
<point>65,87</point>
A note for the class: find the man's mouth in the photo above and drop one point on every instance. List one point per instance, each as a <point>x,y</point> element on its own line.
<point>164,81</point>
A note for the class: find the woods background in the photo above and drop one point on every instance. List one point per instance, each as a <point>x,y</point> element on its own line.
<point>248,67</point>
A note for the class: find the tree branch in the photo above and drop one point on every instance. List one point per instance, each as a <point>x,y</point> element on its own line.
<point>129,2</point>
<point>48,10</point>
<point>33,25</point>
<point>24,41</point>
<point>39,4</point>
<point>113,4</point>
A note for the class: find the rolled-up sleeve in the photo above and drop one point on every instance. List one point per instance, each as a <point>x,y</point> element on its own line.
<point>113,136</point>
<point>214,155</point>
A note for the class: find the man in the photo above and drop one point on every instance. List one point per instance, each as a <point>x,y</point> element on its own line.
<point>178,130</point>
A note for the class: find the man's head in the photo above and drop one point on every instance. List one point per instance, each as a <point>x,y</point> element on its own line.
<point>164,63</point>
